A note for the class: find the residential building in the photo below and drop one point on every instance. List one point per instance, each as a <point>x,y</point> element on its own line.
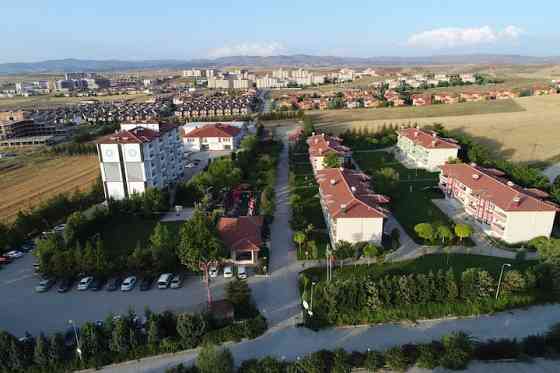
<point>446,98</point>
<point>17,128</point>
<point>242,84</point>
<point>220,83</point>
<point>468,78</point>
<point>138,157</point>
<point>394,97</point>
<point>215,136</point>
<point>473,96</point>
<point>421,99</point>
<point>504,210</point>
<point>321,145</point>
<point>351,209</point>
<point>243,237</point>
<point>425,149</point>
<point>193,73</point>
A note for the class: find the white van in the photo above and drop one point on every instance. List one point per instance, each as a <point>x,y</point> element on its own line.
<point>164,280</point>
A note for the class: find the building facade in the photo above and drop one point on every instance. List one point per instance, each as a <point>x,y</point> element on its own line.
<point>351,209</point>
<point>321,145</point>
<point>505,210</point>
<point>140,156</point>
<point>215,136</point>
<point>243,237</point>
<point>425,149</point>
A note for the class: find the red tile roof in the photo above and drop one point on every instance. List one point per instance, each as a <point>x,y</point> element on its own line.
<point>347,194</point>
<point>137,135</point>
<point>241,234</point>
<point>322,144</point>
<point>427,139</point>
<point>493,187</point>
<point>214,130</point>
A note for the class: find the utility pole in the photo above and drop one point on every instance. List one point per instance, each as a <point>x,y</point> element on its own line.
<point>78,349</point>
<point>500,279</point>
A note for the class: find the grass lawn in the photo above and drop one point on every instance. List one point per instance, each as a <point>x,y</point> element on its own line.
<point>412,203</point>
<point>434,262</point>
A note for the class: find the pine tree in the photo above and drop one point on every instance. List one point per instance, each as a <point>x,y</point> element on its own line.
<point>451,285</point>
<point>56,349</point>
<point>154,334</point>
<point>42,351</point>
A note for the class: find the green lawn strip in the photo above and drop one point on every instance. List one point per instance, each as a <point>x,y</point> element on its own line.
<point>412,203</point>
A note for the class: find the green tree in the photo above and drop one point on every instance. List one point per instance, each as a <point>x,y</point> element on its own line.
<point>191,329</point>
<point>56,349</point>
<point>299,238</point>
<point>548,249</point>
<point>343,250</point>
<point>425,231</point>
<point>92,342</point>
<point>73,232</point>
<point>341,362</point>
<point>213,360</point>
<point>458,350</point>
<point>463,231</point>
<point>120,337</point>
<point>332,160</point>
<point>249,143</point>
<point>374,361</point>
<point>102,266</point>
<point>41,352</point>
<point>370,251</point>
<point>163,245</point>
<point>154,334</point>
<point>222,174</point>
<point>88,259</point>
<point>444,233</point>
<point>387,181</point>
<point>451,285</point>
<point>200,246</point>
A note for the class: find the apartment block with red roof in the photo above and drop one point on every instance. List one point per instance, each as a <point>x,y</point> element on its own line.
<point>446,98</point>
<point>243,236</point>
<point>506,211</point>
<point>216,136</point>
<point>352,211</point>
<point>321,145</point>
<point>425,149</point>
<point>140,156</point>
<point>421,100</point>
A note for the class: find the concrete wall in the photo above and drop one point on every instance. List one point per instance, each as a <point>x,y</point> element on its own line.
<point>358,229</point>
<point>438,157</point>
<point>524,226</point>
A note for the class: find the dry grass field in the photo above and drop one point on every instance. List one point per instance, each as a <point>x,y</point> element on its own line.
<point>36,178</point>
<point>527,135</point>
<point>43,102</point>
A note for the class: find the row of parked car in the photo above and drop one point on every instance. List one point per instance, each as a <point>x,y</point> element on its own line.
<point>8,257</point>
<point>166,280</point>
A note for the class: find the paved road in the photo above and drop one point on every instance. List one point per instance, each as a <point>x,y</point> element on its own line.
<point>291,342</point>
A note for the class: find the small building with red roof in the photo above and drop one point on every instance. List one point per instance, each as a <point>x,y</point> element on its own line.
<point>352,211</point>
<point>321,145</point>
<point>425,149</point>
<point>243,237</point>
<point>215,136</point>
<point>507,211</point>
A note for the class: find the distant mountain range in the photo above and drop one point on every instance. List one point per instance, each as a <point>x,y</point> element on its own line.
<point>300,60</point>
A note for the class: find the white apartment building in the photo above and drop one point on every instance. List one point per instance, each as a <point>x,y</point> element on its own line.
<point>193,73</point>
<point>268,82</point>
<point>140,156</point>
<point>281,74</point>
<point>351,209</point>
<point>321,145</point>
<point>218,83</point>
<point>504,210</point>
<point>425,149</point>
<point>242,84</point>
<point>214,136</point>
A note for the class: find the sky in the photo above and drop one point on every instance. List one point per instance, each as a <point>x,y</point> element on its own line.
<point>36,30</point>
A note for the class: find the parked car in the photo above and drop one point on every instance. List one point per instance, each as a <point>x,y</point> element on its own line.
<point>113,284</point>
<point>28,246</point>
<point>14,254</point>
<point>65,285</point>
<point>176,282</point>
<point>85,283</point>
<point>44,285</point>
<point>213,271</point>
<point>228,271</point>
<point>146,283</point>
<point>189,165</point>
<point>242,272</point>
<point>128,283</point>
<point>97,284</point>
<point>164,280</point>
<point>5,259</point>
<point>59,228</point>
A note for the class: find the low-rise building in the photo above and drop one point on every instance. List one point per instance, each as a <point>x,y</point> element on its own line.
<point>215,136</point>
<point>351,209</point>
<point>138,157</point>
<point>505,210</point>
<point>321,145</point>
<point>473,96</point>
<point>421,99</point>
<point>446,98</point>
<point>394,98</point>
<point>243,237</point>
<point>425,149</point>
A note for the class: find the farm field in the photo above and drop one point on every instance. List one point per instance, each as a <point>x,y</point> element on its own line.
<point>526,129</point>
<point>41,102</point>
<point>35,178</point>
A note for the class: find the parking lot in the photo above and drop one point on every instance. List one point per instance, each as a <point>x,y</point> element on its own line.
<point>23,309</point>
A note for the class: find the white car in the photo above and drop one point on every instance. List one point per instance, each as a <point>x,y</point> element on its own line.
<point>128,283</point>
<point>85,283</point>
<point>241,272</point>
<point>213,272</point>
<point>176,282</point>
<point>14,254</point>
<point>60,228</point>
<point>228,271</point>
<point>189,165</point>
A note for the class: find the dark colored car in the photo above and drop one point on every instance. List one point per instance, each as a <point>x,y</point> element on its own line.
<point>28,246</point>
<point>5,259</point>
<point>97,284</point>
<point>146,283</point>
<point>113,284</point>
<point>65,285</point>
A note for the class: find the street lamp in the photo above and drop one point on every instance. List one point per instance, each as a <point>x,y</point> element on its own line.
<point>500,279</point>
<point>78,349</point>
<point>310,311</point>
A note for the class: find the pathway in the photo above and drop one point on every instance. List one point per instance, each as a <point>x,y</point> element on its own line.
<point>292,342</point>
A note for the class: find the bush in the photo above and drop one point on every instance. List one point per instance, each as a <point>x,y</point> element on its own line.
<point>498,349</point>
<point>458,350</point>
<point>429,355</point>
<point>374,361</point>
<point>396,359</point>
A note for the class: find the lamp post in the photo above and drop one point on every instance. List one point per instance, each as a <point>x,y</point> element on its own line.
<point>328,255</point>
<point>500,279</point>
<point>310,312</point>
<point>78,349</point>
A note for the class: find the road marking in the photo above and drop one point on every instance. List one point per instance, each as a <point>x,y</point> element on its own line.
<point>8,282</point>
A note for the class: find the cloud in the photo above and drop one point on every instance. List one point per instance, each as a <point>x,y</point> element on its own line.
<point>454,37</point>
<point>248,49</point>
